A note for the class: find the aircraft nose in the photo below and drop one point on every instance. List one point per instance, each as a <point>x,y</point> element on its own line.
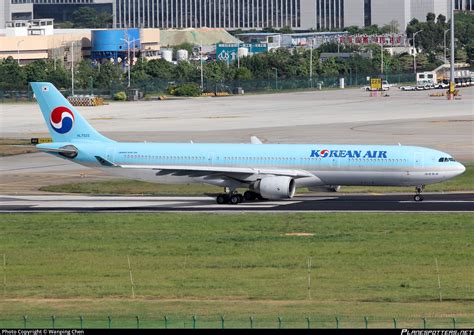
<point>460,169</point>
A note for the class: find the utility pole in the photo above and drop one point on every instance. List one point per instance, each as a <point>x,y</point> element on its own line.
<point>445,57</point>
<point>72,67</point>
<point>126,40</point>
<point>311,64</point>
<point>452,84</point>
<point>18,49</point>
<point>202,73</point>
<point>414,49</point>
<point>381,59</point>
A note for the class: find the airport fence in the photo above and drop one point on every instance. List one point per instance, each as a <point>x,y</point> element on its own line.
<point>221,322</point>
<point>158,87</point>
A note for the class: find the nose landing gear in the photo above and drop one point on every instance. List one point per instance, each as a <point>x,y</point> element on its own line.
<point>418,197</point>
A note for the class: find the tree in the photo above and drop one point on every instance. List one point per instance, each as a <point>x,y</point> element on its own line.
<point>186,71</point>
<point>441,19</point>
<point>160,69</point>
<point>58,75</point>
<point>11,75</point>
<point>392,27</point>
<point>109,75</point>
<point>286,30</point>
<point>138,72</point>
<point>213,71</point>
<point>243,73</point>
<point>430,17</point>
<point>36,71</point>
<point>85,73</point>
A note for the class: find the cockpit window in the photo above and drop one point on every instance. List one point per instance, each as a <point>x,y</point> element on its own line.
<point>446,159</point>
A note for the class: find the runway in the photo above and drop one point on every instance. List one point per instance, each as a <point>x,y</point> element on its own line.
<point>434,202</point>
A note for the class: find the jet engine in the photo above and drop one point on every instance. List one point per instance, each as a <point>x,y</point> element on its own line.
<point>275,188</point>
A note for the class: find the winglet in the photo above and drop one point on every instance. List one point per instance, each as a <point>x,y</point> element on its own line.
<point>255,140</point>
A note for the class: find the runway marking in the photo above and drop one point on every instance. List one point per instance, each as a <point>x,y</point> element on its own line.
<point>246,205</point>
<point>436,201</point>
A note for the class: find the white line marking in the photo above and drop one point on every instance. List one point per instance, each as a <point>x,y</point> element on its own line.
<point>435,201</point>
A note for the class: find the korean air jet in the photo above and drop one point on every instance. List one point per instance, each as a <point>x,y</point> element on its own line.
<point>267,171</point>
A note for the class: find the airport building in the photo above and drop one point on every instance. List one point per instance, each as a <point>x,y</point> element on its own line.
<point>229,14</point>
<point>59,10</point>
<point>237,14</point>
<point>464,5</point>
<point>258,14</point>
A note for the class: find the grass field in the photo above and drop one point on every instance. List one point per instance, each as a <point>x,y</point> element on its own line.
<point>464,182</point>
<point>376,265</point>
<point>10,147</point>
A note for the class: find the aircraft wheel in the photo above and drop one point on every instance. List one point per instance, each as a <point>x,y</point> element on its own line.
<point>418,197</point>
<point>234,199</point>
<point>249,195</point>
<point>222,199</point>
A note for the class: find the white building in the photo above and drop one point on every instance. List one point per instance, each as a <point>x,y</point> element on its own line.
<point>229,14</point>
<point>38,9</point>
<point>381,12</point>
<point>238,14</point>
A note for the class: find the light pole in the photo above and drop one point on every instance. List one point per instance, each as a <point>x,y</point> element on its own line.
<point>276,77</point>
<point>445,57</point>
<point>72,67</point>
<point>126,40</point>
<point>311,64</point>
<point>18,49</point>
<point>414,49</point>
<point>452,84</point>
<point>202,72</point>
<point>381,59</point>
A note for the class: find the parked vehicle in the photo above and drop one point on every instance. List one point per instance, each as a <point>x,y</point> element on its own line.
<point>385,86</point>
<point>407,88</point>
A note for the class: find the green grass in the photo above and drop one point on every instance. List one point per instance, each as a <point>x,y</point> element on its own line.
<point>464,182</point>
<point>379,265</point>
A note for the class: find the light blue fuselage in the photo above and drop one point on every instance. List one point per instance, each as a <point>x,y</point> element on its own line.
<point>340,165</point>
<point>270,168</point>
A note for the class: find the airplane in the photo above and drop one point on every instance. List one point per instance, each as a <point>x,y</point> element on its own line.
<point>267,171</point>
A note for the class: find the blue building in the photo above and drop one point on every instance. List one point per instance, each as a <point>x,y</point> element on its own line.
<point>114,44</point>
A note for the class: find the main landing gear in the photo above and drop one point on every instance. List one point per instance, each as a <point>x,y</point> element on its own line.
<point>418,196</point>
<point>235,198</point>
<point>229,198</point>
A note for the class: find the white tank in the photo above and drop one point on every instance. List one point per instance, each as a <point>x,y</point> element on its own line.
<point>167,55</point>
<point>182,55</point>
<point>243,52</point>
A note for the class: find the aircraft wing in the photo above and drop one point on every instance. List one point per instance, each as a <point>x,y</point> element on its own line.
<point>196,171</point>
<point>200,170</point>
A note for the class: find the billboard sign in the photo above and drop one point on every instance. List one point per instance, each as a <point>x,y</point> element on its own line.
<point>227,52</point>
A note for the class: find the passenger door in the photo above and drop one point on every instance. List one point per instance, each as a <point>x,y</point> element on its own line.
<point>418,160</point>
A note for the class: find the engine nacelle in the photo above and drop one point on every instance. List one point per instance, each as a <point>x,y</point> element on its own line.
<point>329,188</point>
<point>275,188</point>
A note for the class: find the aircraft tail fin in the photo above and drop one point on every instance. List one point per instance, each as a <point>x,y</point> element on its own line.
<point>64,122</point>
